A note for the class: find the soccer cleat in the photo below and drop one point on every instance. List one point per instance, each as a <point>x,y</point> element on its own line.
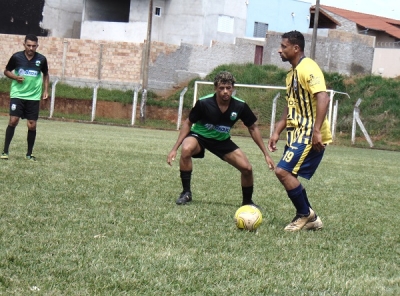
<point>314,225</point>
<point>184,198</point>
<point>4,156</point>
<point>31,157</point>
<point>300,221</point>
<point>251,203</point>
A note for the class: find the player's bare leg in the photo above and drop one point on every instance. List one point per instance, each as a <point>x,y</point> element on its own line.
<point>239,160</point>
<point>189,147</point>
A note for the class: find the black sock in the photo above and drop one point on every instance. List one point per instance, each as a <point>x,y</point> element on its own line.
<point>308,203</point>
<point>31,141</point>
<point>9,135</point>
<point>306,198</point>
<point>186,177</point>
<point>297,198</point>
<point>247,193</point>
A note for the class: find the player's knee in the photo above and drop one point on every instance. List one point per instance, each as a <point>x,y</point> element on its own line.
<point>186,151</point>
<point>280,173</point>
<point>247,170</point>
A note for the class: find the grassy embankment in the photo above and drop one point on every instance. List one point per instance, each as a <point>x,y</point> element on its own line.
<point>380,108</point>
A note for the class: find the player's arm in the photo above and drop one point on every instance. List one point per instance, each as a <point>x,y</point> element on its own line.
<point>8,73</point>
<point>279,127</point>
<point>256,136</point>
<point>184,131</point>
<point>46,80</point>
<point>322,107</point>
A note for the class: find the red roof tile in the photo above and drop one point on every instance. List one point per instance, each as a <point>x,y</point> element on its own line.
<point>369,21</point>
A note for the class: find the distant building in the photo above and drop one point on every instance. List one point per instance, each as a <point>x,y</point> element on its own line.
<point>385,30</point>
<point>277,16</point>
<point>173,21</point>
<point>386,58</point>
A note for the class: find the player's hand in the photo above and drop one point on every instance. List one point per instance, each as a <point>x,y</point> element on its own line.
<point>317,141</point>
<point>272,143</point>
<point>45,95</point>
<point>171,157</point>
<point>20,79</point>
<point>270,162</point>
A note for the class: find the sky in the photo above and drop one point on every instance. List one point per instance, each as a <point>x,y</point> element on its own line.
<point>385,8</point>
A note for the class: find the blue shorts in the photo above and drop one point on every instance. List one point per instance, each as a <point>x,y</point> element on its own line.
<point>300,160</point>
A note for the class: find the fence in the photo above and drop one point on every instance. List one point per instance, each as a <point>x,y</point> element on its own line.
<point>266,111</point>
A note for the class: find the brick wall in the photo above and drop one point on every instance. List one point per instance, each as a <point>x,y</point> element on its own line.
<point>84,62</point>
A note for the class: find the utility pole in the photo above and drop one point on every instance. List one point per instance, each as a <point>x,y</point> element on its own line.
<point>314,33</point>
<point>145,69</point>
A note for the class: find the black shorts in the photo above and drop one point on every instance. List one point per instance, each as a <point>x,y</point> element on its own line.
<point>219,148</point>
<point>28,109</point>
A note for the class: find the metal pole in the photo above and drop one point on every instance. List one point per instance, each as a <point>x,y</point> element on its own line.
<point>180,108</point>
<point>134,105</point>
<point>94,101</point>
<point>53,97</point>
<point>314,33</point>
<point>273,115</point>
<point>146,62</point>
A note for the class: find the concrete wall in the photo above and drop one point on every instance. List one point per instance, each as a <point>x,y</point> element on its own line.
<point>278,15</point>
<point>336,51</point>
<point>181,21</point>
<point>118,64</point>
<point>63,18</point>
<point>386,62</point>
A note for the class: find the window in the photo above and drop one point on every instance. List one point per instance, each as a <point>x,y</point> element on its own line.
<point>107,11</point>
<point>260,29</point>
<point>158,11</point>
<point>225,24</point>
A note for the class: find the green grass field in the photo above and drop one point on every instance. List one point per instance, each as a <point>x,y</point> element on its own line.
<point>96,215</point>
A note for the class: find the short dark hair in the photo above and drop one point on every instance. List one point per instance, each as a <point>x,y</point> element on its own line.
<point>295,38</point>
<point>225,78</point>
<point>31,37</point>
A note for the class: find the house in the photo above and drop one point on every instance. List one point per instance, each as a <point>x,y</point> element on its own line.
<point>386,60</point>
<point>385,30</point>
<point>197,22</point>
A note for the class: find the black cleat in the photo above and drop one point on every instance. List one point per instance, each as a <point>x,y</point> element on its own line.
<point>184,198</point>
<point>251,203</point>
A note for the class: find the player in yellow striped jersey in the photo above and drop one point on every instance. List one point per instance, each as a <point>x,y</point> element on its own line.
<point>307,128</point>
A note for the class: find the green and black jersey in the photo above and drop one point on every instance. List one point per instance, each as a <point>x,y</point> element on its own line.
<point>31,70</point>
<point>211,123</point>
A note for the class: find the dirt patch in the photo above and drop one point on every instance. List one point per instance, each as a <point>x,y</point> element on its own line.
<point>103,109</point>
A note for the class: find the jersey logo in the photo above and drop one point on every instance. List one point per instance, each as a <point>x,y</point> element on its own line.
<point>313,80</point>
<point>233,115</point>
<point>37,63</point>
<point>22,72</point>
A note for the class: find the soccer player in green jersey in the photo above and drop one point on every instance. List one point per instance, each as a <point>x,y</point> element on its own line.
<point>307,128</point>
<point>30,74</point>
<point>208,127</point>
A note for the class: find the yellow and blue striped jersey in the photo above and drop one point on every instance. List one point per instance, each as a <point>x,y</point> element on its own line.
<point>303,82</point>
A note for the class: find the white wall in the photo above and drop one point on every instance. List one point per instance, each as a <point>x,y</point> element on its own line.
<point>114,31</point>
<point>63,18</point>
<point>181,21</point>
<point>386,62</point>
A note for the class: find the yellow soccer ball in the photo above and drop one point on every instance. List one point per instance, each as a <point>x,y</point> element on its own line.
<point>248,217</point>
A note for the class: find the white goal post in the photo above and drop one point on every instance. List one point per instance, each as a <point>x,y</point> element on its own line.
<point>272,112</point>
